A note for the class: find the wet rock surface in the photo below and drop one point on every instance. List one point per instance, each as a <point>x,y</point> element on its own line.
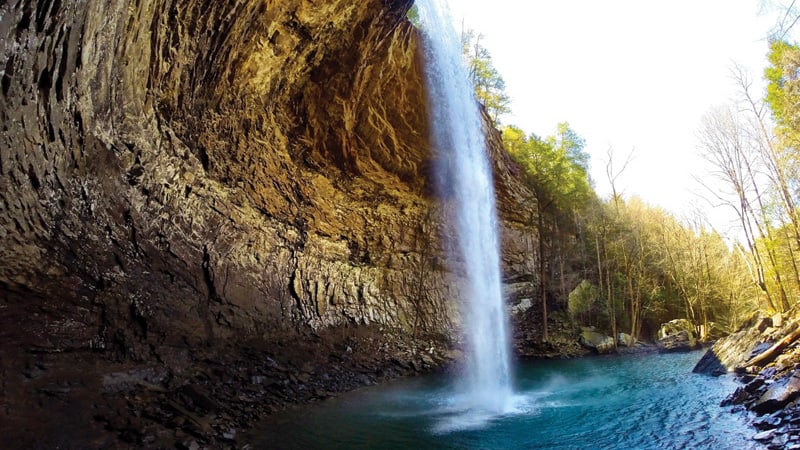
<point>778,423</point>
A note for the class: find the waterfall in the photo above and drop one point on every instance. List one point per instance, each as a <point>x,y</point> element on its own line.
<point>464,172</point>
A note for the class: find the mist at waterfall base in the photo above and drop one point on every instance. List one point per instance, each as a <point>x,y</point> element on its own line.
<point>464,178</point>
<point>631,402</point>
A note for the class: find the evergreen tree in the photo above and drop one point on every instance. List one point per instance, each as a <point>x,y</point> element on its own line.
<point>490,89</point>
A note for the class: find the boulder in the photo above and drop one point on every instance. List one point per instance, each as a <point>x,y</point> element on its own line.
<point>764,436</point>
<point>594,340</point>
<point>735,349</point>
<point>675,327</point>
<point>625,339</point>
<point>778,395</point>
<point>679,342</point>
<point>520,308</point>
<point>777,320</point>
<point>677,335</point>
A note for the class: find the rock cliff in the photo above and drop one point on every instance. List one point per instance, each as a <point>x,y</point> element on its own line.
<point>182,178</point>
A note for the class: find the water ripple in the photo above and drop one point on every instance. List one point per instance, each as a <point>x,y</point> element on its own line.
<point>651,402</point>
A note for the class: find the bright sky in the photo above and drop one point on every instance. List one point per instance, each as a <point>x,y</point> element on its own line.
<point>630,74</point>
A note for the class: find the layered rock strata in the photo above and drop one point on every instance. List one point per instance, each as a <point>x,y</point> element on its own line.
<point>183,178</point>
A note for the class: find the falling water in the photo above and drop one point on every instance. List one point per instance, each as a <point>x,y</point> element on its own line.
<point>464,172</point>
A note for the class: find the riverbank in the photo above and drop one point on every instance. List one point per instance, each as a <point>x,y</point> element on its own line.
<point>207,397</point>
<point>765,355</point>
<point>201,398</point>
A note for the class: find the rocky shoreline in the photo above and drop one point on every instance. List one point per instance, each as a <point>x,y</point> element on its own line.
<point>210,398</point>
<point>765,355</point>
<point>79,400</point>
<point>778,420</point>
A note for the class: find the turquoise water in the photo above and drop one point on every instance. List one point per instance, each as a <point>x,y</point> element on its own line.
<point>633,402</point>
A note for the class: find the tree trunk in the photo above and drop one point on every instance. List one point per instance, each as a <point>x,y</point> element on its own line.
<point>765,233</point>
<point>599,266</point>
<point>772,352</point>
<point>612,315</point>
<point>542,275</point>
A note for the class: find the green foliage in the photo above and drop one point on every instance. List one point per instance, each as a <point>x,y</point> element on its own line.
<point>413,15</point>
<point>490,89</point>
<point>783,89</point>
<point>582,299</point>
<point>641,266</point>
<point>783,98</point>
<point>556,168</point>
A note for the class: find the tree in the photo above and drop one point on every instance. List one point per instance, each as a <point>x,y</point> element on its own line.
<point>782,157</point>
<point>582,301</point>
<point>783,88</point>
<point>556,170</point>
<point>788,16</point>
<point>776,155</point>
<point>723,140</point>
<point>490,88</point>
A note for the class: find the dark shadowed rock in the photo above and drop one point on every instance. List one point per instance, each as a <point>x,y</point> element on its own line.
<point>778,394</point>
<point>710,364</point>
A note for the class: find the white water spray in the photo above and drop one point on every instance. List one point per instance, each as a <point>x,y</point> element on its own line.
<point>464,170</point>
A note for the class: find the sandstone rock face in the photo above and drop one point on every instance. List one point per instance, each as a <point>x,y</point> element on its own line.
<point>182,173</point>
<point>233,195</point>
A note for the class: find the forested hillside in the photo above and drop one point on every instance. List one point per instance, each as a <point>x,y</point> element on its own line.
<point>623,265</point>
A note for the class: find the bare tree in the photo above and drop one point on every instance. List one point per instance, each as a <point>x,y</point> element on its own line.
<point>603,258</point>
<point>613,175</point>
<point>774,164</point>
<point>787,16</point>
<point>723,139</point>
